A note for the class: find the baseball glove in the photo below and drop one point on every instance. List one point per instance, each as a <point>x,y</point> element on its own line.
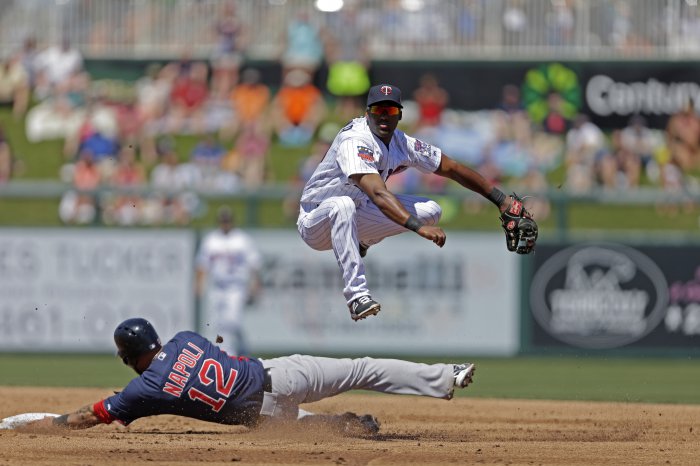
<point>519,226</point>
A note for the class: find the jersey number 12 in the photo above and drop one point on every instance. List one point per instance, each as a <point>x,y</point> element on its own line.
<point>223,386</point>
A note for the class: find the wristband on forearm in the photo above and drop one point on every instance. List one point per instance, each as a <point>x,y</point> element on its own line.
<point>413,223</point>
<point>497,197</point>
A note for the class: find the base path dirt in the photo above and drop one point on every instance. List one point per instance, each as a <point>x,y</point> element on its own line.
<point>414,431</point>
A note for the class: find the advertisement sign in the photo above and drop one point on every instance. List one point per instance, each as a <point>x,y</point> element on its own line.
<point>67,289</point>
<point>608,92</point>
<point>461,299</point>
<point>606,296</point>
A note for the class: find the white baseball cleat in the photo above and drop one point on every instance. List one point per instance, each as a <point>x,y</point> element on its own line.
<point>463,374</point>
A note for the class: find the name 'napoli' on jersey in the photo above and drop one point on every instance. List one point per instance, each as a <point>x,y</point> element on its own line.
<point>191,377</point>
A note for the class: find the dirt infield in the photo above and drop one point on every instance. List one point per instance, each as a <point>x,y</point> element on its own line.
<point>414,431</point>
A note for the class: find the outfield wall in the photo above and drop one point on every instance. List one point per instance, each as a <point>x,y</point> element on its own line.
<point>65,290</point>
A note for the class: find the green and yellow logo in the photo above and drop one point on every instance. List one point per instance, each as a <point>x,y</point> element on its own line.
<point>542,81</point>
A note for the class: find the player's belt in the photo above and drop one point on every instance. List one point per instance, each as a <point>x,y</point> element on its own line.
<point>267,383</point>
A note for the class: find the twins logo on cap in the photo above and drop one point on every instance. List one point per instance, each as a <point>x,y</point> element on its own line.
<point>386,90</point>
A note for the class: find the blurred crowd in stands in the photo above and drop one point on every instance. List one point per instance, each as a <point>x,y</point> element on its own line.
<point>126,168</point>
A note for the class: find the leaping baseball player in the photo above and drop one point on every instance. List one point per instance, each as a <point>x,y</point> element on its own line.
<point>190,376</point>
<point>346,206</point>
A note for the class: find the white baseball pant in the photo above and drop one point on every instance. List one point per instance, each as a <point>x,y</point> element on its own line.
<point>225,316</point>
<point>338,223</point>
<point>301,379</point>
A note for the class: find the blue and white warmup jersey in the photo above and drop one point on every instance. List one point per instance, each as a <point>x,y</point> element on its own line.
<point>191,377</point>
<point>356,150</point>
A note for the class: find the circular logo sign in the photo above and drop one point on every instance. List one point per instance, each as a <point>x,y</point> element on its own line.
<point>544,80</point>
<point>599,296</point>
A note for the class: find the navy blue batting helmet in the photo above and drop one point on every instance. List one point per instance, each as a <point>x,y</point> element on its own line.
<point>134,337</point>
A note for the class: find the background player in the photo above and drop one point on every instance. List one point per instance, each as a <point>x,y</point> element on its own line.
<point>346,206</point>
<point>191,377</point>
<point>230,263</point>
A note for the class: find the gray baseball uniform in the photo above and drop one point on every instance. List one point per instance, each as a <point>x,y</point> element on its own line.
<point>301,379</point>
<point>336,214</point>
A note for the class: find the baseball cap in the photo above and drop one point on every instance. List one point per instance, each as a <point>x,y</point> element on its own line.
<point>384,93</point>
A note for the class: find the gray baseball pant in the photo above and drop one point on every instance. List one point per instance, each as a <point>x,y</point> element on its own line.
<point>301,379</point>
<point>338,223</point>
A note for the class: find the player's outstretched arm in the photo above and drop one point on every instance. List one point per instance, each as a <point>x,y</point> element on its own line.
<point>81,419</point>
<point>373,185</point>
<point>470,179</point>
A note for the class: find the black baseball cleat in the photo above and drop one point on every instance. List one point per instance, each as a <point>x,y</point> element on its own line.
<point>363,249</point>
<point>362,307</point>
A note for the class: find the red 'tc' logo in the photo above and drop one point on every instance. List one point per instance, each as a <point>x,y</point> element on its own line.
<point>386,90</point>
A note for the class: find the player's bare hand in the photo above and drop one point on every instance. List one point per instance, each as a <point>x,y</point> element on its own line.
<point>433,233</point>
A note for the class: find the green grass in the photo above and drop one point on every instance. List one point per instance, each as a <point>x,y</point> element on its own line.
<point>569,378</point>
<point>620,379</point>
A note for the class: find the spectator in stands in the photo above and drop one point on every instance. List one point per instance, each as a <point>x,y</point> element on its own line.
<point>80,204</point>
<point>585,149</point>
<point>28,57</point>
<point>58,63</point>
<point>206,158</point>
<point>250,101</point>
<point>348,62</point>
<point>514,23</point>
<point>431,99</point>
<point>512,121</point>
<point>14,85</point>
<point>469,21</point>
<point>683,137</point>
<point>125,207</point>
<point>152,100</point>
<point>251,150</point>
<point>208,152</point>
<point>104,149</point>
<point>153,90</point>
<point>171,202</point>
<point>619,168</point>
<point>228,55</point>
<point>560,23</point>
<point>298,108</point>
<point>187,98</point>
<point>304,44</point>
<point>555,122</point>
<point>6,158</point>
<point>634,149</point>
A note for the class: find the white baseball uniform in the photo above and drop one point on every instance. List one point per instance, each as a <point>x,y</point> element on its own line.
<point>230,260</point>
<point>336,214</point>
